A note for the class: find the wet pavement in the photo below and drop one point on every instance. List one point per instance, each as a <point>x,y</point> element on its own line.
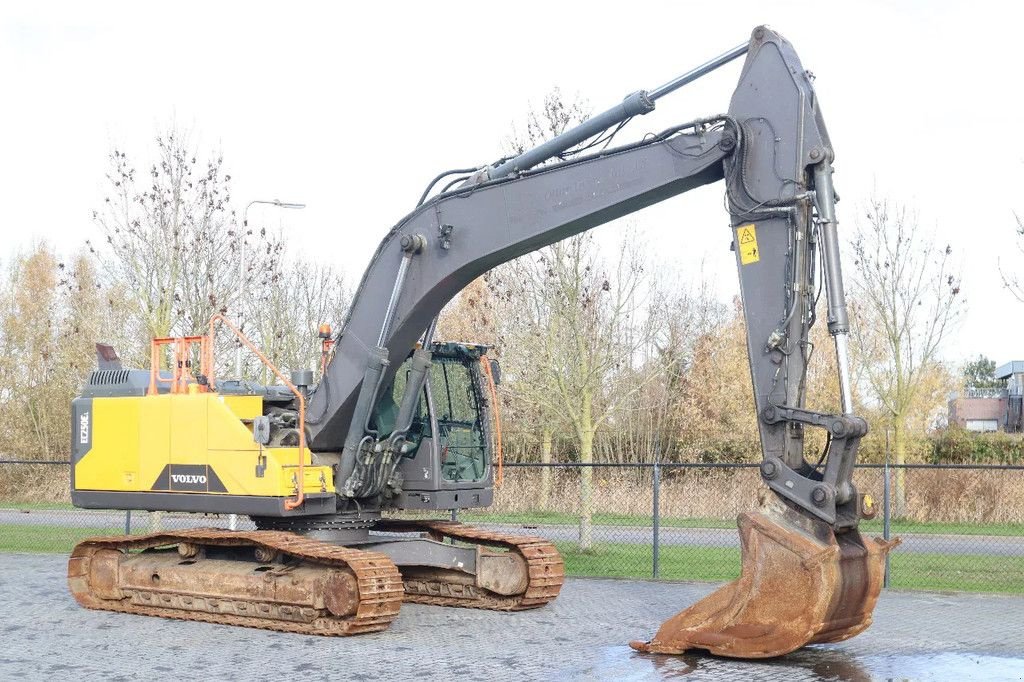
<point>581,636</point>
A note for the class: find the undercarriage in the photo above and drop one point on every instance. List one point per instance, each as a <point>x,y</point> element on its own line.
<point>281,580</point>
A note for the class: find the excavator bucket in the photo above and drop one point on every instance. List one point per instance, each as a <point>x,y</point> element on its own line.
<point>800,583</point>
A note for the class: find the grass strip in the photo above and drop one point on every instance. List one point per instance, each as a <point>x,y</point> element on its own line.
<point>872,527</point>
<point>935,572</point>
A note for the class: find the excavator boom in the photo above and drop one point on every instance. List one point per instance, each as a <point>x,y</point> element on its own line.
<point>807,575</point>
<point>773,151</point>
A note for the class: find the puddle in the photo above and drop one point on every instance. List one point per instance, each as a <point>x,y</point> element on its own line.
<point>814,663</point>
<point>945,666</point>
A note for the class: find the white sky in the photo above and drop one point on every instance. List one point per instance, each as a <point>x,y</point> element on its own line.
<point>353,108</point>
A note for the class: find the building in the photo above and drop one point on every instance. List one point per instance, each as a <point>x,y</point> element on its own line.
<point>1013,374</point>
<point>992,409</point>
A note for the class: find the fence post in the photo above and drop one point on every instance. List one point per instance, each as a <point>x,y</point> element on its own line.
<point>127,521</point>
<point>885,508</point>
<point>656,518</point>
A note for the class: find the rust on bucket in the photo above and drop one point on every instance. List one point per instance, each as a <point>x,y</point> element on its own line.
<point>800,583</point>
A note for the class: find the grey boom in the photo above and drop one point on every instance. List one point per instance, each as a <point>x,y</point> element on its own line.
<point>772,150</point>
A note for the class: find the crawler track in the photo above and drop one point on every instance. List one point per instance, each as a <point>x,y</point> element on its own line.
<point>377,582</point>
<point>546,571</point>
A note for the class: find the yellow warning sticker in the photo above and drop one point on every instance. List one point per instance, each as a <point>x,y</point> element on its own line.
<point>746,241</point>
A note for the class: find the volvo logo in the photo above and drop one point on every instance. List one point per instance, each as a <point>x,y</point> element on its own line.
<point>187,478</point>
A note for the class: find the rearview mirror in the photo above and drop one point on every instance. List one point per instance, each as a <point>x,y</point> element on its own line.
<point>496,372</point>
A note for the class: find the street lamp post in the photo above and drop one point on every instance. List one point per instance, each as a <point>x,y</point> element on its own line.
<point>241,266</point>
<point>233,518</point>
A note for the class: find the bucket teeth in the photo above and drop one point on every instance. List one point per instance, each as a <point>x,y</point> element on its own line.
<point>800,583</point>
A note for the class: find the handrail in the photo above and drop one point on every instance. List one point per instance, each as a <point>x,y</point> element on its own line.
<point>179,378</point>
<point>486,364</point>
<point>300,494</point>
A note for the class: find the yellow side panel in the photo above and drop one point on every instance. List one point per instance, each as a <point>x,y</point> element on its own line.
<point>243,406</point>
<point>237,471</point>
<point>154,438</point>
<point>113,461</point>
<point>136,438</point>
<point>224,430</point>
<point>188,428</point>
<point>317,479</point>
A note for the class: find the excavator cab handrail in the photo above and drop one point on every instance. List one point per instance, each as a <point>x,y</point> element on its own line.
<point>300,484</point>
<point>179,382</point>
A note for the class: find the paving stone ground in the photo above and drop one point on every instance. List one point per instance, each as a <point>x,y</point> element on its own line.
<point>581,636</point>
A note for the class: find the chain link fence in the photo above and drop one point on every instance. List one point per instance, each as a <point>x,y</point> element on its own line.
<point>962,525</point>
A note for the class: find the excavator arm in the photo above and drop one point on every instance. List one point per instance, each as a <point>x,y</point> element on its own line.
<point>807,574</point>
<point>774,154</point>
<point>445,244</point>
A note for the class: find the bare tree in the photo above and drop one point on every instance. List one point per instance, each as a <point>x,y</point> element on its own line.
<point>170,239</point>
<point>584,334</point>
<point>521,333</point>
<point>681,317</point>
<point>907,290</point>
<point>577,326</point>
<point>554,116</point>
<point>92,311</point>
<point>298,297</point>
<point>1011,279</point>
<point>470,316</point>
<point>717,402</point>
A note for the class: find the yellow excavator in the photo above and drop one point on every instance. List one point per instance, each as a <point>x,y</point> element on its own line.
<point>400,421</point>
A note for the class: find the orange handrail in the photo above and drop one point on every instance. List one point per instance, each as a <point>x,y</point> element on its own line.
<point>486,364</point>
<point>179,377</point>
<point>300,495</point>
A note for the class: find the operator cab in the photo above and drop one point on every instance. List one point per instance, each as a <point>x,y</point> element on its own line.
<point>452,426</point>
